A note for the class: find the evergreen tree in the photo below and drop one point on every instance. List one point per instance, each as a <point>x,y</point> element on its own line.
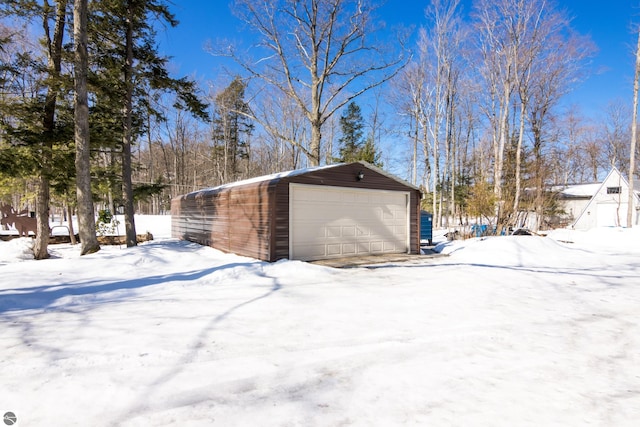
<point>37,113</point>
<point>127,67</point>
<point>353,146</point>
<point>369,154</point>
<point>232,128</point>
<point>33,118</point>
<point>351,125</point>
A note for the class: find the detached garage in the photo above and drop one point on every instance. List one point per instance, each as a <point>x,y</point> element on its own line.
<point>309,214</point>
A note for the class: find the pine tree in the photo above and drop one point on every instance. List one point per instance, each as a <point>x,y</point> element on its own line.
<point>351,125</point>
<point>232,128</point>
<point>127,67</point>
<point>353,146</point>
<point>38,123</point>
<point>369,154</point>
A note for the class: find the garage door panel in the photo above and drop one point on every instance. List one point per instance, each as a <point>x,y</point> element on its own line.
<point>334,249</point>
<point>346,221</point>
<point>364,247</point>
<point>363,231</point>
<point>348,249</point>
<point>333,232</point>
<point>388,214</point>
<point>399,229</point>
<point>315,251</point>
<point>376,246</point>
<point>349,231</point>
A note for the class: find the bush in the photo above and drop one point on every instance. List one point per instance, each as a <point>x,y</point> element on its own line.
<point>107,223</point>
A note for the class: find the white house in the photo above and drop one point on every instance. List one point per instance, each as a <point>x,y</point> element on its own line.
<point>601,205</point>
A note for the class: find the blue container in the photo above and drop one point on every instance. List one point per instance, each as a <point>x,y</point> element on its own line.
<point>426,227</point>
<point>479,230</point>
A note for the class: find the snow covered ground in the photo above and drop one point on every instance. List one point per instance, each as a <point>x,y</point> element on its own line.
<point>505,331</point>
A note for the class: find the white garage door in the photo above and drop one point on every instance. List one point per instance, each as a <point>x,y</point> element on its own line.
<point>333,222</point>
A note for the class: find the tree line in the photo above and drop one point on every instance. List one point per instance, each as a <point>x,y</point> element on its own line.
<point>74,103</point>
<point>468,107</point>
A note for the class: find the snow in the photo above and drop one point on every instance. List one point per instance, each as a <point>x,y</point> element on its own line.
<point>266,178</point>
<point>582,190</point>
<point>297,172</point>
<point>516,330</point>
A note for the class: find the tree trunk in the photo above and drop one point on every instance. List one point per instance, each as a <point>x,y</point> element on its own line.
<point>503,131</point>
<point>72,233</point>
<point>316,130</point>
<point>86,214</point>
<point>42,214</point>
<point>437,217</point>
<point>451,149</point>
<point>414,175</point>
<point>127,185</point>
<point>634,127</point>
<point>40,247</point>
<point>518,179</point>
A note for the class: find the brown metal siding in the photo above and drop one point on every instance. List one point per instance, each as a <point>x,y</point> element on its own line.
<point>235,219</point>
<point>253,219</point>
<point>281,220</point>
<point>249,221</point>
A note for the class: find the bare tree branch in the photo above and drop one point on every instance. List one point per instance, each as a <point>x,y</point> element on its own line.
<point>319,53</point>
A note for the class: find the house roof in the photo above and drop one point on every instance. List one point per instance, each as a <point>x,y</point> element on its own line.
<point>580,190</point>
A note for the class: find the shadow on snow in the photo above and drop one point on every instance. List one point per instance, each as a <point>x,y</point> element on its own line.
<point>42,297</point>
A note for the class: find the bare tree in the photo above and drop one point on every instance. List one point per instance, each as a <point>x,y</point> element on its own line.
<point>441,48</point>
<point>284,121</point>
<point>634,129</point>
<point>614,135</point>
<point>595,155</point>
<point>556,65</point>
<point>496,48</point>
<point>178,155</point>
<point>409,97</point>
<point>572,160</point>
<point>530,58</point>
<point>320,53</point>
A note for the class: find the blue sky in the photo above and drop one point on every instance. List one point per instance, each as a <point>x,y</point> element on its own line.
<point>608,23</point>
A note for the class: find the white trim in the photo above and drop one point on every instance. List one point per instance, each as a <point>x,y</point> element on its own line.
<point>408,208</point>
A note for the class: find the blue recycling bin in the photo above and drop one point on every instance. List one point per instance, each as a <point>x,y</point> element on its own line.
<point>426,227</point>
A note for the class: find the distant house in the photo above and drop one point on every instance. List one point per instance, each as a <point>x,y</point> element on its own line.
<point>603,204</point>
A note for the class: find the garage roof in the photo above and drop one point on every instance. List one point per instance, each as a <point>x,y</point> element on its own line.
<point>296,172</point>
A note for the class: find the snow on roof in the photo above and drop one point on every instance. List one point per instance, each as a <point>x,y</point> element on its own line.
<point>581,190</point>
<point>267,178</point>
<point>279,175</point>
